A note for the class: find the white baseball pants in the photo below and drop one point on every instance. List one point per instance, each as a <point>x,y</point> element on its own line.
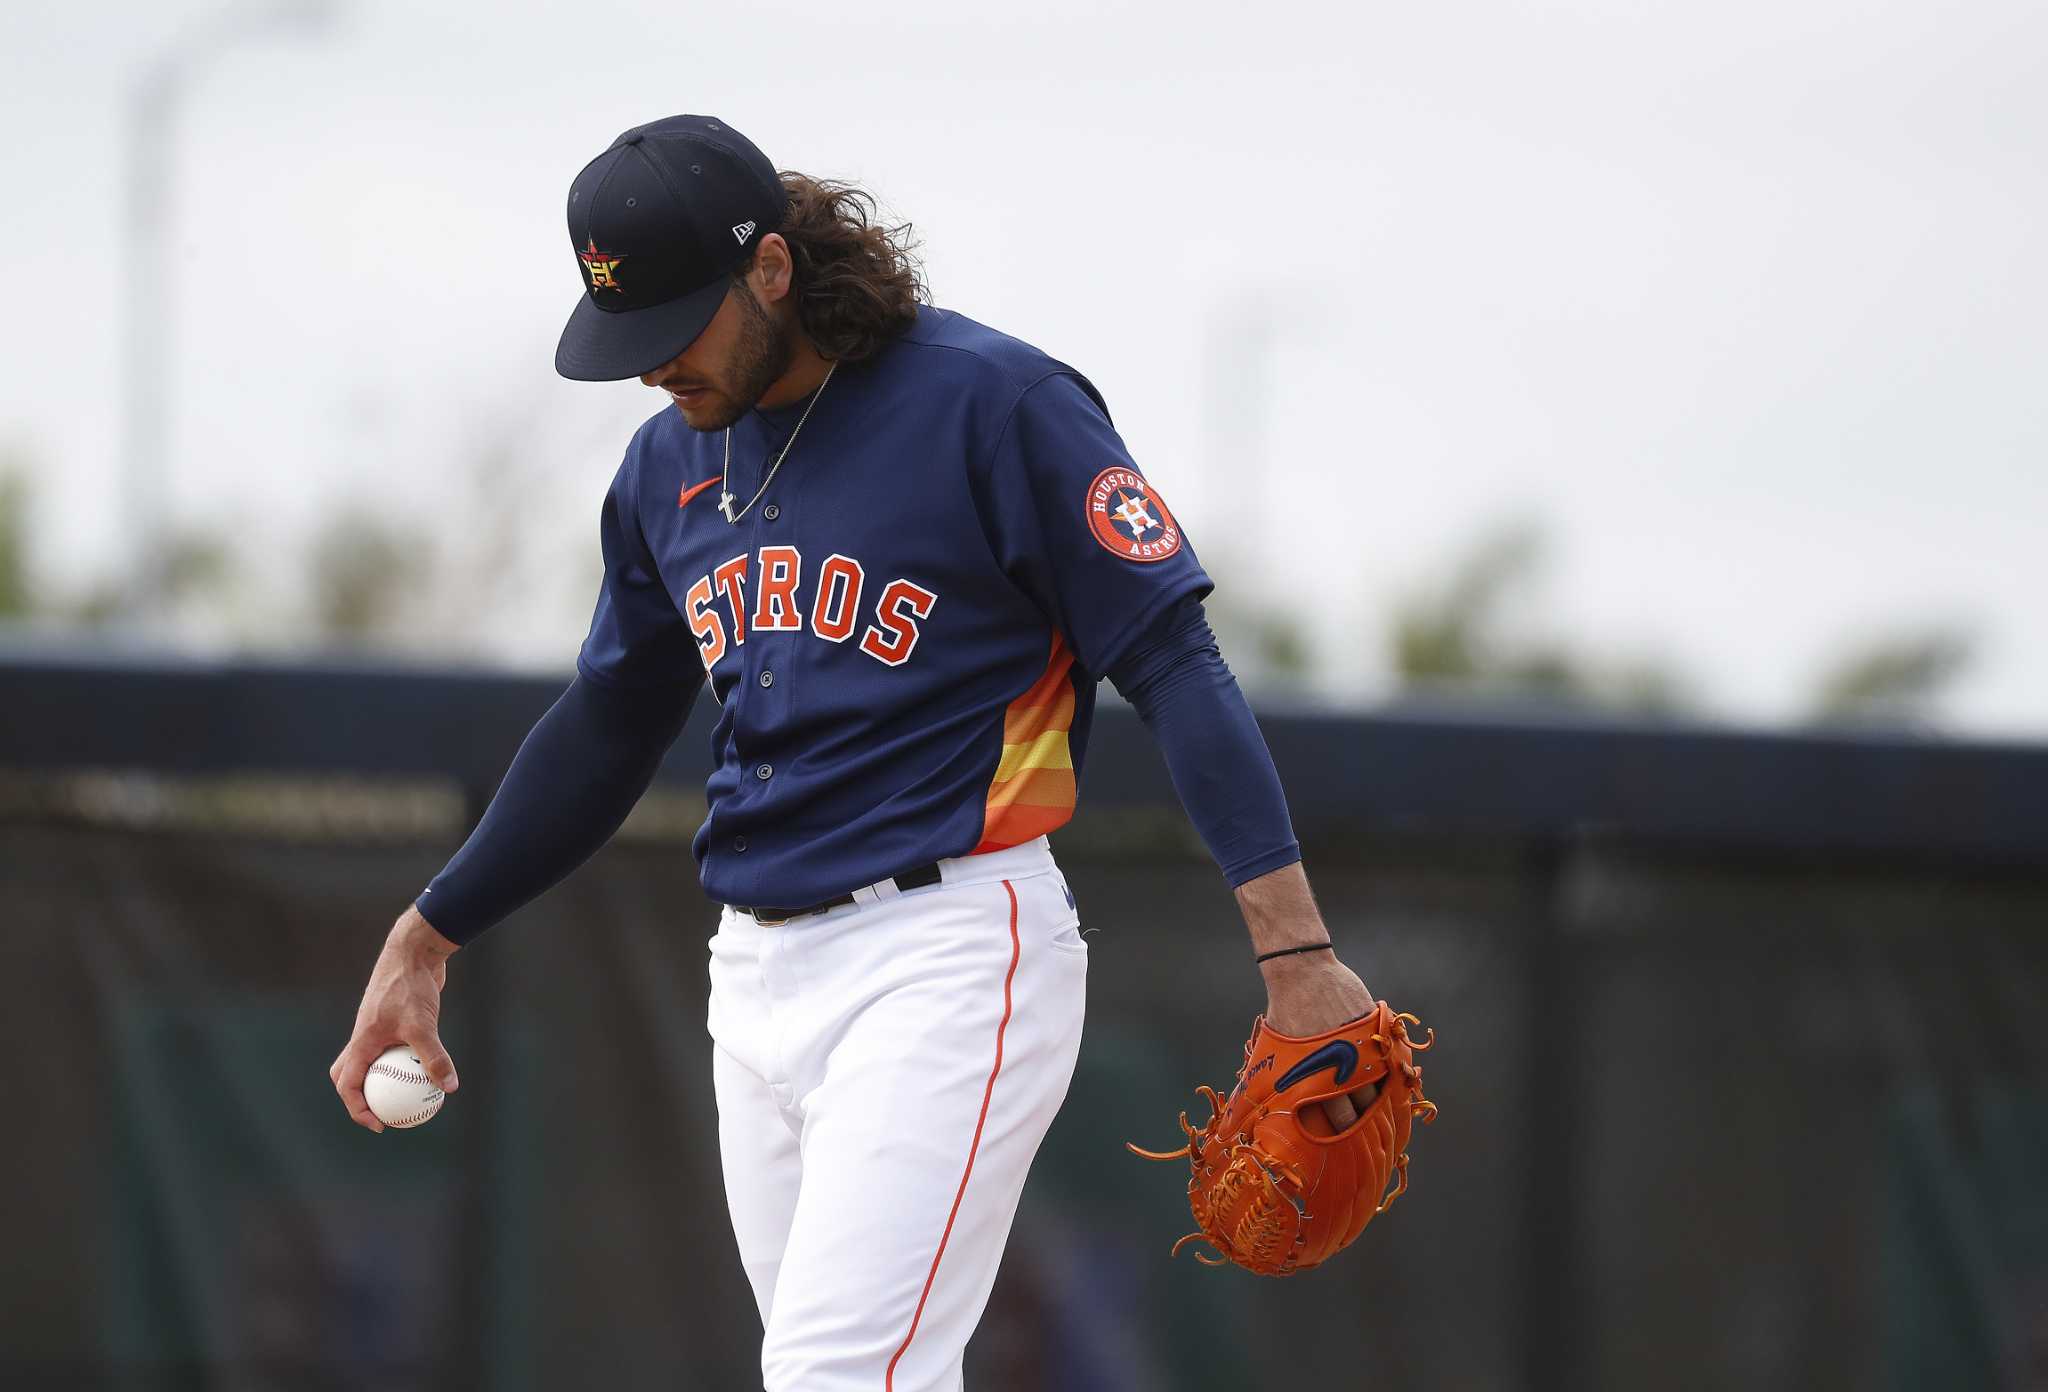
<point>885,1073</point>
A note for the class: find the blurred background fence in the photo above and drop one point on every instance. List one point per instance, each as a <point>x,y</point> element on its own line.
<point>1741,1060</point>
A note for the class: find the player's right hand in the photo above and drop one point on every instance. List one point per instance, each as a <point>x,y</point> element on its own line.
<point>401,1005</point>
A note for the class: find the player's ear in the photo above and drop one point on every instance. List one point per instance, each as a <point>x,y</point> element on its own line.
<point>774,272</point>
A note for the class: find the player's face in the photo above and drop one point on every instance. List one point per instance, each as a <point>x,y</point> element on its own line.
<point>719,377</point>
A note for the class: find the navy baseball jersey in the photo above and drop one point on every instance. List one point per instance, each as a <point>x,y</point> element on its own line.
<point>905,630</point>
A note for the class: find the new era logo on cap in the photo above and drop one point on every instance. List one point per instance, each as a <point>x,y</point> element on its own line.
<point>744,231</point>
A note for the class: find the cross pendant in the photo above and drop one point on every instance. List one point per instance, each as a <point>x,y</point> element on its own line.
<point>725,502</point>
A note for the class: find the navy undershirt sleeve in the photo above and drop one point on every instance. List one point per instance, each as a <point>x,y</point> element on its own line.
<point>582,768</point>
<point>1176,679</point>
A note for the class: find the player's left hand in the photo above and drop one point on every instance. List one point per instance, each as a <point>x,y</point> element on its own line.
<point>1313,992</point>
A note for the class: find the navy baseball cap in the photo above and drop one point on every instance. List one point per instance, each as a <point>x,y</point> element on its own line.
<point>659,221</point>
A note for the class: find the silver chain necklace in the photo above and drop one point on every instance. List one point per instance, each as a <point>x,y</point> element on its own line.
<point>725,497</point>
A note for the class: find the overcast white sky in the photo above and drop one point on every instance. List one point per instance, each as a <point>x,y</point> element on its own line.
<point>1743,301</point>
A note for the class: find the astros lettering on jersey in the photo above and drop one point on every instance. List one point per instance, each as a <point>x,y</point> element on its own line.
<point>905,631</point>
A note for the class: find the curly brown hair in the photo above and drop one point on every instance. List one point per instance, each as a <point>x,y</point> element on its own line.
<point>858,283</point>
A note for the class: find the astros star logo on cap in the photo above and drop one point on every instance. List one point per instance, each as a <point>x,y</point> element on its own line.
<point>601,267</point>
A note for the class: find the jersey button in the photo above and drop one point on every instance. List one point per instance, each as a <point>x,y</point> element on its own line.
<point>767,679</point>
<point>739,843</point>
<point>771,512</point>
<point>765,772</point>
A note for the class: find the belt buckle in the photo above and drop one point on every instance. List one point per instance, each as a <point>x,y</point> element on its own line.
<point>770,922</point>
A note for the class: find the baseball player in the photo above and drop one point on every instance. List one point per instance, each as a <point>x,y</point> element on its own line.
<point>901,548</point>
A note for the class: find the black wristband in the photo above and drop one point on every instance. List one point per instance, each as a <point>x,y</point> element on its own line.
<point>1292,951</point>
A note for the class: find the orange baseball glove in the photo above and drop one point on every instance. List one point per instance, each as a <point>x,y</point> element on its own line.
<point>1273,1189</point>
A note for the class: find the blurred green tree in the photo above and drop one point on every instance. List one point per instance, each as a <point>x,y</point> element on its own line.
<point>1450,633</point>
<point>1467,635</point>
<point>17,593</point>
<point>1895,678</point>
<point>364,572</point>
<point>1264,647</point>
<point>198,580</point>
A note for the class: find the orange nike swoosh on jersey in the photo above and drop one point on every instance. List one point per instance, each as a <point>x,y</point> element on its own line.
<point>693,490</point>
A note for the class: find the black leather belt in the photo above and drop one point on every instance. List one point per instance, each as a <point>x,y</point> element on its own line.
<point>910,879</point>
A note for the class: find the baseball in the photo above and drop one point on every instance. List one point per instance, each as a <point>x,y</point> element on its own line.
<point>398,1089</point>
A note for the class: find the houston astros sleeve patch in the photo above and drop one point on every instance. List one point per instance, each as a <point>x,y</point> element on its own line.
<point>1129,518</point>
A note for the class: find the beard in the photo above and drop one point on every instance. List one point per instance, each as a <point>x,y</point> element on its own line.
<point>761,355</point>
